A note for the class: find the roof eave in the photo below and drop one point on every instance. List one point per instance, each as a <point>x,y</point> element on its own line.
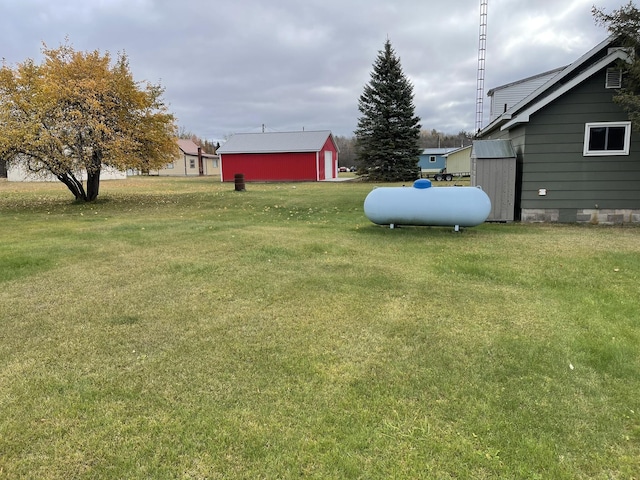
<point>272,151</point>
<point>525,115</point>
<point>579,63</point>
<point>501,120</point>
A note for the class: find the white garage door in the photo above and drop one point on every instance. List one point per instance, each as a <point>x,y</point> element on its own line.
<point>328,164</point>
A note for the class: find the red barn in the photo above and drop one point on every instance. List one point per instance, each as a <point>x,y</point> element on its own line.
<point>282,156</point>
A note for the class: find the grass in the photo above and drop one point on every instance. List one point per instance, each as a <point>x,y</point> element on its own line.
<point>178,329</point>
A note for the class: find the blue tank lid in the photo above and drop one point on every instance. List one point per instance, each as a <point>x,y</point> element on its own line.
<point>422,183</point>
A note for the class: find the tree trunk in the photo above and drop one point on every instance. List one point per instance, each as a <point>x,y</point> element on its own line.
<point>93,184</point>
<point>74,185</point>
<point>93,175</point>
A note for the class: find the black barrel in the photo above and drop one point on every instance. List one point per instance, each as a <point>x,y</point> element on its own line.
<point>239,182</point>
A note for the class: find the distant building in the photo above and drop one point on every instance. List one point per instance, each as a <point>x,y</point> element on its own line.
<point>191,161</point>
<point>18,173</point>
<point>283,156</point>
<point>458,161</point>
<point>433,160</point>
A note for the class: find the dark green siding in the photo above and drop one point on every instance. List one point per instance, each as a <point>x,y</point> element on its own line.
<point>553,159</point>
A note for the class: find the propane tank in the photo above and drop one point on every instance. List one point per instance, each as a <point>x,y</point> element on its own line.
<point>424,205</point>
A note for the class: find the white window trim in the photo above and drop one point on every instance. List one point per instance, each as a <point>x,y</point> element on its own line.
<point>606,153</point>
<point>432,159</point>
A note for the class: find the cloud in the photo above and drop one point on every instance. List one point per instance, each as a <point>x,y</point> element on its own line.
<point>232,66</point>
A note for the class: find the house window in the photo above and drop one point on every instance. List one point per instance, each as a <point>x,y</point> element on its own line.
<point>432,159</point>
<point>614,78</point>
<point>192,163</point>
<point>607,138</point>
<point>215,163</point>
<point>169,166</point>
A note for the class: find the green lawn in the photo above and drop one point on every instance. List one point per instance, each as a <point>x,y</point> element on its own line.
<point>179,329</point>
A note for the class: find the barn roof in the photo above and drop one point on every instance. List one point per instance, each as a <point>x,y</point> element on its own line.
<point>272,142</point>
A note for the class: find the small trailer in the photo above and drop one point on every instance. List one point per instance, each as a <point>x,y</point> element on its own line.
<point>443,175</point>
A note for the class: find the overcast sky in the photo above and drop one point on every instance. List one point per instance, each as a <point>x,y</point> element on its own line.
<point>233,65</point>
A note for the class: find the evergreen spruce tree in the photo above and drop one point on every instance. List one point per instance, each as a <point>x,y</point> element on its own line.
<point>388,130</point>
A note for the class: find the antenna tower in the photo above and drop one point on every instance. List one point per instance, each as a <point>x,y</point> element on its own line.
<point>482,51</point>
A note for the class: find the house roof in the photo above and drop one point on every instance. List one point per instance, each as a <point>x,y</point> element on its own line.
<point>459,149</point>
<point>571,76</point>
<point>492,149</point>
<point>524,115</point>
<point>273,142</point>
<point>189,147</point>
<point>437,151</point>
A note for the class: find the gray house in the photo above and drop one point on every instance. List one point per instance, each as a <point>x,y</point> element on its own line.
<point>577,159</point>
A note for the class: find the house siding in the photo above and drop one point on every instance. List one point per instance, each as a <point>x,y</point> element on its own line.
<point>459,162</point>
<point>182,166</point>
<point>556,181</point>
<point>186,162</point>
<point>439,163</point>
<point>19,173</point>
<point>505,97</point>
<point>428,166</point>
<point>598,189</point>
<point>554,159</point>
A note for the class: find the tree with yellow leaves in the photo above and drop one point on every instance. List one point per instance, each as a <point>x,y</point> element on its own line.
<point>76,112</point>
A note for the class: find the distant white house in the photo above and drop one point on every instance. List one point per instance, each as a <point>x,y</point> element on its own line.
<point>190,161</point>
<point>18,173</point>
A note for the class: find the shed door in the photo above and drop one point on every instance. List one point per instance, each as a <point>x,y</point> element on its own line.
<point>497,177</point>
<point>328,164</point>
